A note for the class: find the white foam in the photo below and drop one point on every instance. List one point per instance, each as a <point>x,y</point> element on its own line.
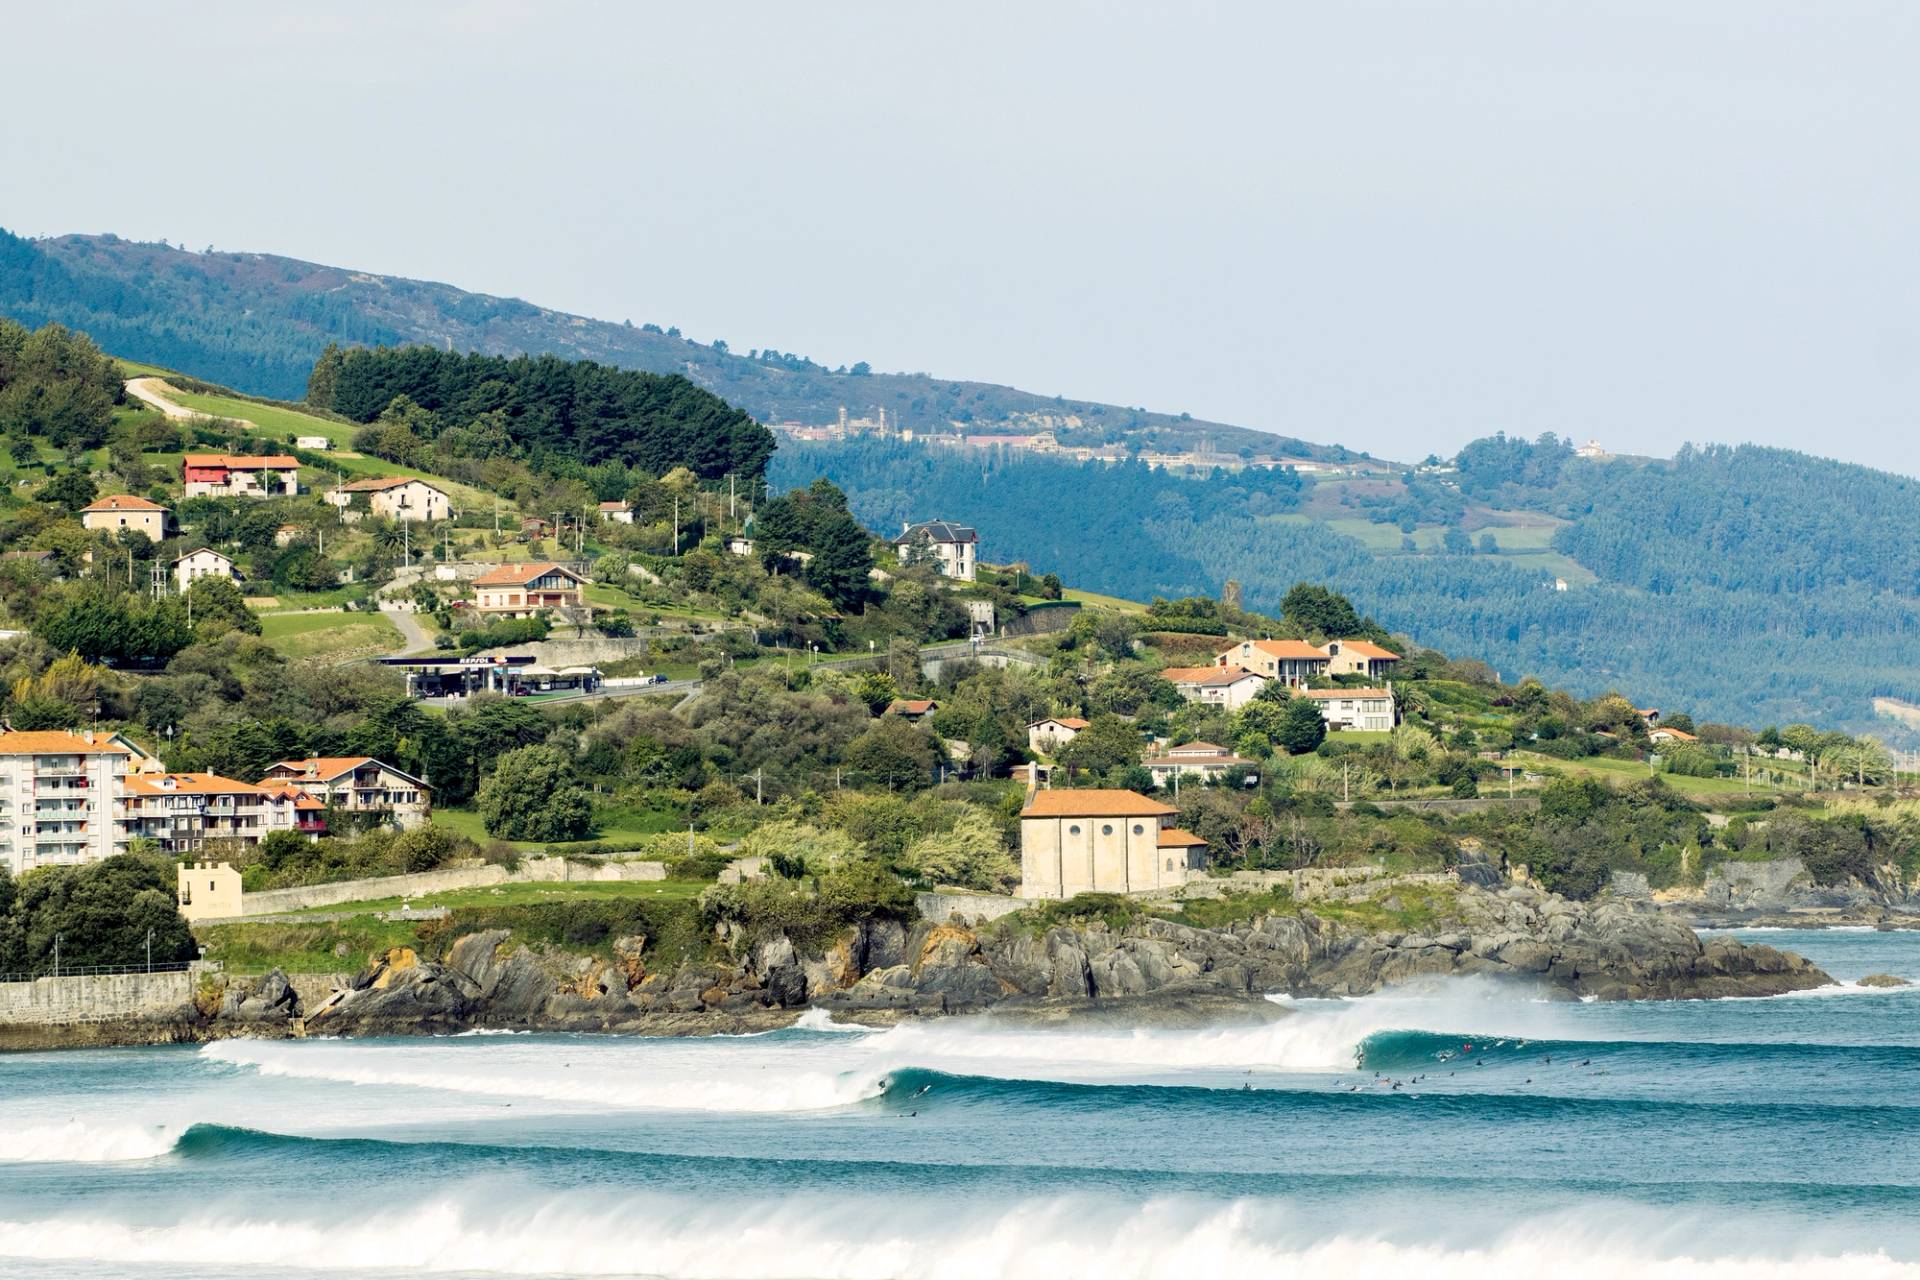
<point>865,1239</point>
<point>78,1143</point>
<point>817,1019</point>
<point>642,1075</point>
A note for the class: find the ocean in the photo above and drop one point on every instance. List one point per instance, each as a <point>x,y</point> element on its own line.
<point>1456,1130</point>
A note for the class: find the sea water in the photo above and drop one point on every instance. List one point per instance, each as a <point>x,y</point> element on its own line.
<point>1460,1129</point>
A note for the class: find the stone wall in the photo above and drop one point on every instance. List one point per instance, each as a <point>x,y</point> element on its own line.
<point>532,870</point>
<point>971,907</point>
<point>101,998</point>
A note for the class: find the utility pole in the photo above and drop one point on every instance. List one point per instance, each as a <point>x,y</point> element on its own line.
<point>676,524</point>
<point>1346,787</point>
<point>56,954</point>
<point>757,797</point>
<point>149,951</point>
<point>729,497</point>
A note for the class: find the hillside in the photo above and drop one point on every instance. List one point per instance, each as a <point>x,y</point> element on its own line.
<point>1749,585</point>
<point>258,322</point>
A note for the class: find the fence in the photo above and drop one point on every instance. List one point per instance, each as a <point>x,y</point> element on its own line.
<point>98,970</point>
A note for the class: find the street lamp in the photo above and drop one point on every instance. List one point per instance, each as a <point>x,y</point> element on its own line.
<point>149,951</point>
<point>56,953</point>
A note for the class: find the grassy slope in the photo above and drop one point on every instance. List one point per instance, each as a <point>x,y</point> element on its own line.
<point>337,636</point>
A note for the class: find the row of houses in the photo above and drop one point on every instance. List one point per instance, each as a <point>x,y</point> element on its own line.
<point>1237,675</point>
<point>68,798</point>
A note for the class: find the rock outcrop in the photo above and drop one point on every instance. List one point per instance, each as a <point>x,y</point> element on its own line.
<point>884,971</point>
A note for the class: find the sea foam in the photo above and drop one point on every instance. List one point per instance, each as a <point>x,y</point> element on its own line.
<point>870,1238</point>
<point>78,1143</point>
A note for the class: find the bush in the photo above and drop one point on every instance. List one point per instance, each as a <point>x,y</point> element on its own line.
<point>532,794</point>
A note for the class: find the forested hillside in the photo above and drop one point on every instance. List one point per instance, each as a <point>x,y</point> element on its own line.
<point>545,406</point>
<point>258,322</point>
<point>1751,585</point>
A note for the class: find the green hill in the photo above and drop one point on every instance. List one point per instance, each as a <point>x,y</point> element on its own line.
<point>258,322</point>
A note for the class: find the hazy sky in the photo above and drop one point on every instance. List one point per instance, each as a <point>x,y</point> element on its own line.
<point>1392,225</point>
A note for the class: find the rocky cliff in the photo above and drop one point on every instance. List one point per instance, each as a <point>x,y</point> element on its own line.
<point>886,971</point>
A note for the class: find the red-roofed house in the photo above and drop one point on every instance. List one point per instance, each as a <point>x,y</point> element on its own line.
<point>356,784</point>
<point>1231,687</point>
<point>1359,658</point>
<point>912,709</point>
<point>239,475</point>
<point>395,497</point>
<point>1053,733</point>
<point>522,590</point>
<point>1291,662</point>
<point>125,511</point>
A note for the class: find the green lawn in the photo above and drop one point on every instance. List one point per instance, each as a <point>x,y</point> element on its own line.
<point>329,635</point>
<point>1358,735</point>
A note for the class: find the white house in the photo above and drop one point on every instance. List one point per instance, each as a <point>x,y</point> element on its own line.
<point>60,798</point>
<point>954,547</point>
<point>1291,662</point>
<point>1203,760</point>
<point>395,497</point>
<point>618,512</point>
<point>1053,733</point>
<point>319,444</point>
<point>522,590</point>
<point>1229,687</point>
<point>1366,709</point>
<point>239,475</point>
<point>356,784</point>
<point>204,563</point>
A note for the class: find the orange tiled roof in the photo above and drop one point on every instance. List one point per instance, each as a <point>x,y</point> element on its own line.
<point>377,483</point>
<point>1367,649</point>
<point>1093,804</point>
<point>123,502</point>
<point>1678,734</point>
<point>518,575</point>
<point>1070,722</point>
<point>51,742</point>
<point>911,706</point>
<point>162,784</point>
<point>1288,649</point>
<point>1177,838</point>
<point>244,462</point>
<point>325,768</point>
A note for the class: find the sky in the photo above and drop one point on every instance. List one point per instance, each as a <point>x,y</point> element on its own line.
<point>1392,225</point>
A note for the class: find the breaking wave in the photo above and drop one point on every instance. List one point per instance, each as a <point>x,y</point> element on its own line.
<point>77,1143</point>
<point>1122,1238</point>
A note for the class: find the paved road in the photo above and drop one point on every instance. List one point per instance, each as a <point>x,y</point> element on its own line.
<point>413,636</point>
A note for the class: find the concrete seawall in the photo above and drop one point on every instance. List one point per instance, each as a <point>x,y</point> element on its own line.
<point>531,871</point>
<point>96,998</point>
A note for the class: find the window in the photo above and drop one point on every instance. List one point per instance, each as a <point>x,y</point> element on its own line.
<point>1106,828</point>
<point>1169,864</point>
<point>1074,830</point>
<point>1139,830</point>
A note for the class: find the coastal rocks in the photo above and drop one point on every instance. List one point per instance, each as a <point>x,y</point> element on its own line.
<point>1883,980</point>
<point>268,1000</point>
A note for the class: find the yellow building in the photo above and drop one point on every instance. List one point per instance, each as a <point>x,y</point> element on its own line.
<point>208,891</point>
<point>1096,841</point>
<point>125,511</point>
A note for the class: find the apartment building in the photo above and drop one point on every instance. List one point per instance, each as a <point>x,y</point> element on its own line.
<point>59,798</point>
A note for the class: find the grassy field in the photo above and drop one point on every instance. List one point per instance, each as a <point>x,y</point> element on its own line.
<point>1094,600</point>
<point>1625,771</point>
<point>519,895</point>
<point>329,635</point>
<point>271,419</point>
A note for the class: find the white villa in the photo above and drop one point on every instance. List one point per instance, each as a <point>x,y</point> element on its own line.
<point>954,547</point>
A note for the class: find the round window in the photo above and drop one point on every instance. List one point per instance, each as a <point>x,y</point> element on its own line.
<point>1074,830</point>
<point>1139,830</point>
<point>1106,828</point>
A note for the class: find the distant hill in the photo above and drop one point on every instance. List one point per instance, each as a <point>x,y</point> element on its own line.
<point>257,322</point>
<point>1746,585</point>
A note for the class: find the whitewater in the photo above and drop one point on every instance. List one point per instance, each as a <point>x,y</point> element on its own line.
<point>1451,1130</point>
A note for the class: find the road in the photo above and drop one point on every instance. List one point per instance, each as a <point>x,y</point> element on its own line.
<point>413,636</point>
<point>154,392</point>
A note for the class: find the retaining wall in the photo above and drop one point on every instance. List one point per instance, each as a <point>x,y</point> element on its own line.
<point>971,907</point>
<point>532,870</point>
<point>96,998</point>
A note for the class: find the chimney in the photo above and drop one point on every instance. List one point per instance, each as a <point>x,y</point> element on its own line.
<point>86,736</point>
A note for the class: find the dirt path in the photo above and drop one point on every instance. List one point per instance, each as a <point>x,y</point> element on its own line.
<point>154,392</point>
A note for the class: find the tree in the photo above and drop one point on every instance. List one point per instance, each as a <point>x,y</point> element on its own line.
<point>102,912</point>
<point>892,753</point>
<point>219,606</point>
<point>1318,611</point>
<point>70,490</point>
<point>972,854</point>
<point>1106,745</point>
<point>533,794</point>
<point>1302,729</point>
<point>57,698</point>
